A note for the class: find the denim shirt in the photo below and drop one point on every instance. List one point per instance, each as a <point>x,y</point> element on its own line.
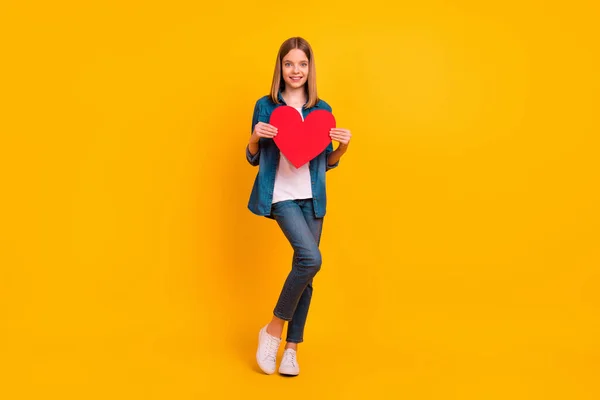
<point>268,156</point>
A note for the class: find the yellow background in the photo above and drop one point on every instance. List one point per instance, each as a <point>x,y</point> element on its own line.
<point>460,247</point>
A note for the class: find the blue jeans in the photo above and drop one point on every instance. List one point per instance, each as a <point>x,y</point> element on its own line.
<point>296,218</point>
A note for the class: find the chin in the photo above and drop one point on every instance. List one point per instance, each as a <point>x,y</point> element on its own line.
<point>296,84</point>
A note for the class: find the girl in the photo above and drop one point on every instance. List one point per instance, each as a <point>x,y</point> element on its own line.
<point>294,197</point>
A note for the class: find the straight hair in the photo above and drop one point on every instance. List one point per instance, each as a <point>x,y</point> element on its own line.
<point>311,83</point>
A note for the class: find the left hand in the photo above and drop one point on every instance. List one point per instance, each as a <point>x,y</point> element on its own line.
<point>341,135</point>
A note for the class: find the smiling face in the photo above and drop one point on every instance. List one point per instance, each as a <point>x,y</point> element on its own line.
<point>294,68</point>
<point>295,71</point>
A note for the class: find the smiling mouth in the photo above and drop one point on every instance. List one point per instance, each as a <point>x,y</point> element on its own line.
<point>295,78</point>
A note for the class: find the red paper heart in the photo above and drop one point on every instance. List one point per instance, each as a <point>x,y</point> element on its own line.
<point>301,141</point>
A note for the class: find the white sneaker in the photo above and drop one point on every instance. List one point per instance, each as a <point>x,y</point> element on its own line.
<point>289,364</point>
<point>266,354</point>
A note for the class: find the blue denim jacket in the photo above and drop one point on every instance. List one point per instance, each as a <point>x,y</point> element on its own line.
<point>267,158</point>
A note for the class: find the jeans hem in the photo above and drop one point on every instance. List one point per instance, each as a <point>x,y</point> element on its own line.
<point>294,340</point>
<point>275,313</point>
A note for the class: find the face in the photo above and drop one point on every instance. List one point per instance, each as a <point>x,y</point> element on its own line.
<point>294,68</point>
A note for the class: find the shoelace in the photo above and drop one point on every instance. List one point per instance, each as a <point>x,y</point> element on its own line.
<point>272,346</point>
<point>291,356</point>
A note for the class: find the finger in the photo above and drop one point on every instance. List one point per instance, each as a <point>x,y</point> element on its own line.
<point>268,130</point>
<point>339,135</point>
<point>266,127</point>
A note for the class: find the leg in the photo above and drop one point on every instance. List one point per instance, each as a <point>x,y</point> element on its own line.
<point>307,257</point>
<point>295,330</point>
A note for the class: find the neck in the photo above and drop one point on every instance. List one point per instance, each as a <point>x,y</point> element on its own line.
<point>295,97</point>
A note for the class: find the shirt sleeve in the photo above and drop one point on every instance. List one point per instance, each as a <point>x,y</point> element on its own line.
<point>328,150</point>
<point>254,159</point>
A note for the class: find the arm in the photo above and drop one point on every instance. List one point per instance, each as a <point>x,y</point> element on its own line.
<point>340,135</point>
<point>253,148</point>
<point>260,130</point>
<point>333,157</point>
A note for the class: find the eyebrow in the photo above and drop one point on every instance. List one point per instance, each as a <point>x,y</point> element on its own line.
<point>286,60</point>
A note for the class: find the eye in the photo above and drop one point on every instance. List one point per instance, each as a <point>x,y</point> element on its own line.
<point>287,64</point>
<point>305,64</point>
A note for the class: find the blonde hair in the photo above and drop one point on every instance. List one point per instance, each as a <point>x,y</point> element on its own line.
<point>311,83</point>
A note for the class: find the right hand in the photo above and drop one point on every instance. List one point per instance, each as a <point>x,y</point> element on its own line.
<point>262,130</point>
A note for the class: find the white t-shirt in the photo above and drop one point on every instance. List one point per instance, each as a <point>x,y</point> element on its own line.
<point>292,183</point>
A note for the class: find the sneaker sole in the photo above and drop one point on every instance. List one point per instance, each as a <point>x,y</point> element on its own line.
<point>289,373</point>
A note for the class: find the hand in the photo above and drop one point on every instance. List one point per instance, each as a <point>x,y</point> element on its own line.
<point>262,130</point>
<point>341,135</point>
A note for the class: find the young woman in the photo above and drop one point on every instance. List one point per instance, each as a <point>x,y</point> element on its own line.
<point>294,197</point>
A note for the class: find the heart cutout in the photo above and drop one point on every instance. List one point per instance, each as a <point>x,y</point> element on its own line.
<point>301,141</point>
